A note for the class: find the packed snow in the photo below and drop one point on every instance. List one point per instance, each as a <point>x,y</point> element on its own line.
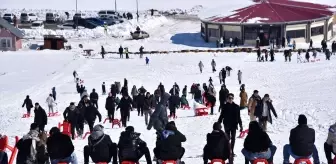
<point>256,20</point>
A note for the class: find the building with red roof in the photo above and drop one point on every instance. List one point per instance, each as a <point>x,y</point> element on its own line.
<point>272,21</point>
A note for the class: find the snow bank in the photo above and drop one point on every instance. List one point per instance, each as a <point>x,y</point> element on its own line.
<point>256,20</point>
<point>118,30</point>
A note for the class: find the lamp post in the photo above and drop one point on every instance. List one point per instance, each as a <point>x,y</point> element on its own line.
<point>76,18</point>
<point>115,5</point>
<point>137,5</point>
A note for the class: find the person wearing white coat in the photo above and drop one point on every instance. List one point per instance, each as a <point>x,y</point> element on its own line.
<point>50,101</point>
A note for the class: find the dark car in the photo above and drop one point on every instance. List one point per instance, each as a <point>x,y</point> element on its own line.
<point>96,21</point>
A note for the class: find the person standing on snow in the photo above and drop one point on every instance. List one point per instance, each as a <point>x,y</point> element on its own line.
<point>223,94</point>
<point>213,65</point>
<point>263,112</point>
<point>231,41</point>
<point>70,115</point>
<point>53,91</point>
<point>103,88</point>
<point>220,77</point>
<point>239,76</point>
<point>126,52</point>
<point>228,70</point>
<point>201,66</point>
<point>105,29</point>
<point>103,52</point>
<point>134,93</point>
<point>333,48</point>
<point>50,101</point>
<point>140,103</point>
<point>147,60</point>
<point>210,81</point>
<point>121,52</point>
<point>223,75</point>
<point>29,104</point>
<point>141,51</point>
<point>91,114</point>
<point>243,97</point>
<point>75,75</point>
<point>184,91</point>
<point>148,105</point>
<point>254,101</point>
<point>125,105</point>
<point>94,98</point>
<point>230,116</point>
<point>110,105</point>
<point>40,118</point>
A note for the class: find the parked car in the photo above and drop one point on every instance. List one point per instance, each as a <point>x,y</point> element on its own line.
<point>8,17</point>
<point>37,25</point>
<point>108,13</point>
<point>53,18</point>
<point>139,35</point>
<point>96,21</point>
<point>86,23</point>
<point>69,26</point>
<point>28,17</point>
<point>79,15</point>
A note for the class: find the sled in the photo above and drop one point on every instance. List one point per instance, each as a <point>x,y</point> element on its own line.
<point>101,163</point>
<point>186,107</point>
<point>217,161</point>
<point>201,112</point>
<point>66,128</point>
<point>169,162</point>
<point>53,114</point>
<point>129,162</point>
<point>86,134</point>
<point>4,145</point>
<point>259,161</point>
<point>26,115</point>
<point>243,133</point>
<point>302,161</point>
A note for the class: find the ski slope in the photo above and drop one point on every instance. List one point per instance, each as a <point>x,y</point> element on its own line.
<point>305,88</point>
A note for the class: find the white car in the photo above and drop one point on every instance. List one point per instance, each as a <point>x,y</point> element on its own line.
<point>37,25</point>
<point>28,17</point>
<point>108,13</point>
<point>68,26</point>
<point>54,17</point>
<point>8,17</point>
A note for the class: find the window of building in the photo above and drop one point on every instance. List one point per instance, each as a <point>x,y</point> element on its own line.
<point>202,29</point>
<point>317,30</point>
<point>251,33</point>
<point>213,32</point>
<point>296,34</point>
<point>5,43</point>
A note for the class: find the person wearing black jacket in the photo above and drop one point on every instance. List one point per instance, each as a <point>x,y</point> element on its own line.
<point>114,90</point>
<point>100,147</point>
<point>223,94</point>
<point>110,105</point>
<point>60,147</point>
<point>142,90</point>
<point>184,91</point>
<point>70,115</point>
<point>124,90</point>
<point>125,106</point>
<point>103,88</point>
<point>169,143</point>
<point>223,75</point>
<point>258,144</point>
<point>94,98</point>
<point>198,95</point>
<point>173,103</point>
<point>301,142</point>
<point>121,52</point>
<point>25,152</point>
<point>148,105</point>
<point>29,104</point>
<point>140,103</point>
<point>125,82</point>
<point>217,146</point>
<point>90,114</point>
<point>263,112</point>
<point>230,116</point>
<point>131,147</point>
<point>41,117</point>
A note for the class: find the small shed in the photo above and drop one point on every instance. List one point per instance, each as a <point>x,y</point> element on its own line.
<point>54,42</point>
<point>10,37</point>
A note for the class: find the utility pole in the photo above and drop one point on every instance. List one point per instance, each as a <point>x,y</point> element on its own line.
<point>115,5</point>
<point>137,5</point>
<point>76,18</point>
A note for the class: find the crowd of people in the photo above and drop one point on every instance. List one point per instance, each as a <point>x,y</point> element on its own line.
<point>37,148</point>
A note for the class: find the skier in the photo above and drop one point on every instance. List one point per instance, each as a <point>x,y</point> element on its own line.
<point>40,118</point>
<point>103,88</point>
<point>125,105</point>
<point>253,102</point>
<point>198,94</point>
<point>50,102</point>
<point>314,53</point>
<point>239,77</point>
<point>103,52</point>
<point>217,146</point>
<point>230,116</point>
<point>131,147</point>
<point>141,51</point>
<point>71,114</point>
<point>100,147</point>
<point>94,98</point>
<point>53,91</point>
<point>121,52</point>
<point>147,60</point>
<point>228,70</point>
<point>201,66</point>
<point>110,106</point>
<point>263,112</point>
<point>60,147</point>
<point>91,114</point>
<point>75,75</point>
<point>213,65</point>
<point>29,104</point>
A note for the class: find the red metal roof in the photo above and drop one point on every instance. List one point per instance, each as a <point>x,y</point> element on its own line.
<point>274,11</point>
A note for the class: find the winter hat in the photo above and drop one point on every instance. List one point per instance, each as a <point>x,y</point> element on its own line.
<point>33,126</point>
<point>255,91</point>
<point>72,103</point>
<point>217,126</point>
<point>54,130</point>
<point>130,129</point>
<point>302,120</point>
<point>98,128</point>
<point>171,126</point>
<point>37,104</point>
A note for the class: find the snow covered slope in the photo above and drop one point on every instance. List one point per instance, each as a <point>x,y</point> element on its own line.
<point>294,88</point>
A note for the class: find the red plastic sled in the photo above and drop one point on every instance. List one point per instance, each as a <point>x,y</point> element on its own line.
<point>264,161</point>
<point>4,145</point>
<point>201,112</point>
<point>302,160</point>
<point>217,161</point>
<point>53,114</point>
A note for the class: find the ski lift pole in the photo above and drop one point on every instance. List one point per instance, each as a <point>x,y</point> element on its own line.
<point>115,5</point>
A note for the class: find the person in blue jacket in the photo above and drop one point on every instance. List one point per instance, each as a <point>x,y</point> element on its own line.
<point>147,60</point>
